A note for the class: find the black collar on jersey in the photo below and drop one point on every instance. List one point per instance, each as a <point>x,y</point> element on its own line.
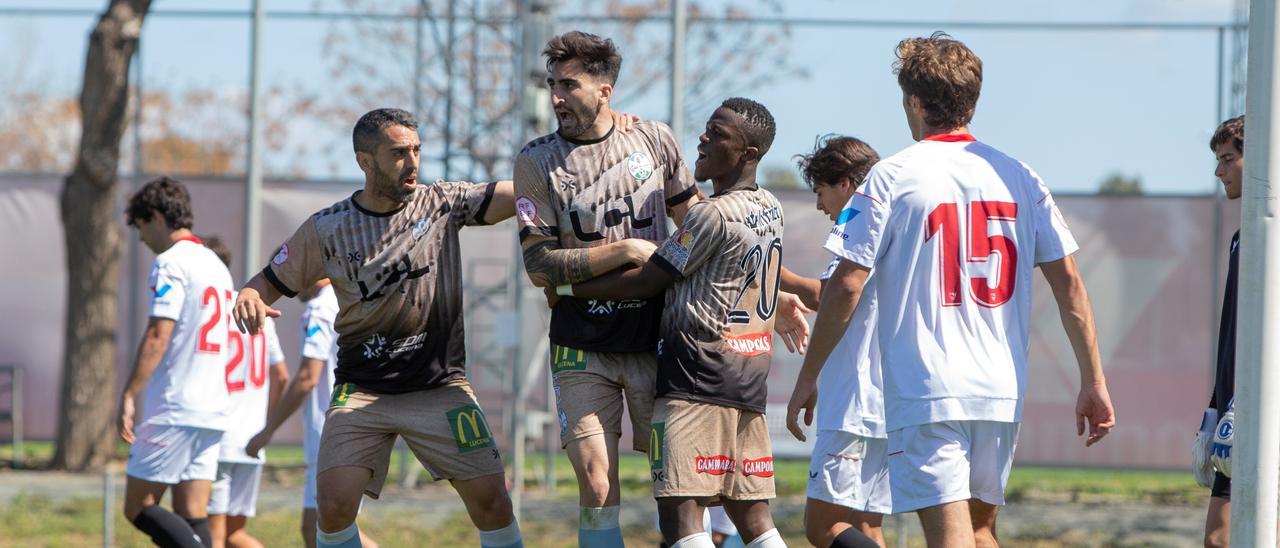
<point>356,204</point>
<point>739,186</point>
<point>589,141</point>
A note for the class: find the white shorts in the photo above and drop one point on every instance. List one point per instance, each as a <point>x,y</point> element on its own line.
<point>943,462</point>
<point>851,471</point>
<point>309,487</point>
<point>172,454</point>
<point>235,492</point>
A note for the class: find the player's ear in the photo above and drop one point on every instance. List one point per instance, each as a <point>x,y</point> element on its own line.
<point>365,161</point>
<point>606,92</point>
<point>752,153</point>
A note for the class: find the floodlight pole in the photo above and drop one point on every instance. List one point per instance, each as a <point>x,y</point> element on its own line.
<point>679,29</point>
<point>1256,448</point>
<point>253,184</point>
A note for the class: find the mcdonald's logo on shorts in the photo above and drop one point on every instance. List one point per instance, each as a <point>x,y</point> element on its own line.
<point>564,358</point>
<point>469,428</point>
<point>341,394</point>
<point>656,434</point>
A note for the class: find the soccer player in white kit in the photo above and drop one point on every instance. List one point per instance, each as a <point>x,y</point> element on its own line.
<point>310,389</point>
<point>255,378</point>
<point>953,229</point>
<point>848,492</point>
<point>181,359</point>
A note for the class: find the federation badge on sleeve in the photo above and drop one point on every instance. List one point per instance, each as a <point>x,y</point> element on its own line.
<point>676,250</point>
<point>526,211</point>
<point>281,256</point>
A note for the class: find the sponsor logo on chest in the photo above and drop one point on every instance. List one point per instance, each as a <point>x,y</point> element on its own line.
<point>763,217</point>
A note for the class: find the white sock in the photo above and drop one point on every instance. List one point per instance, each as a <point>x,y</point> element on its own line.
<point>768,539</point>
<point>346,538</point>
<point>506,537</point>
<point>696,540</point>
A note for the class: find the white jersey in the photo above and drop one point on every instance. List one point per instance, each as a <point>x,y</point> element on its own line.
<point>248,381</point>
<point>953,230</point>
<point>192,287</point>
<point>850,387</point>
<point>319,342</point>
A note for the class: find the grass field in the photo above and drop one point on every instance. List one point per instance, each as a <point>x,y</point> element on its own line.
<point>44,518</point>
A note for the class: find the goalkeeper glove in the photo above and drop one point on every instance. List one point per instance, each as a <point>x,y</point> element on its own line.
<point>1201,450</point>
<point>1223,436</point>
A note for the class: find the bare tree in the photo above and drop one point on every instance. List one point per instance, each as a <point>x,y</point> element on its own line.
<point>465,92</point>
<point>85,427</point>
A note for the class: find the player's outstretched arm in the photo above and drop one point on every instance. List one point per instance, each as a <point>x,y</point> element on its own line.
<point>503,205</point>
<point>1093,406</point>
<point>839,299</point>
<point>808,289</point>
<point>279,380</point>
<point>550,266</point>
<point>253,305</point>
<point>635,283</point>
<point>155,341</point>
<point>292,398</point>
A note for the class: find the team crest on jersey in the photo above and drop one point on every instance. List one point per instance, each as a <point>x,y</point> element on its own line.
<point>526,211</point>
<point>600,308</point>
<point>640,166</point>
<point>751,344</point>
<point>716,465</point>
<point>281,256</point>
<point>762,467</point>
<point>421,227</point>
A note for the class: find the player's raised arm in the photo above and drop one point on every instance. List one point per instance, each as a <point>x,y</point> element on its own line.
<point>839,298</point>
<point>1094,402</point>
<point>547,264</point>
<point>502,206</point>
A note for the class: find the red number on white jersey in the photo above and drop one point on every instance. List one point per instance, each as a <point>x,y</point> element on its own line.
<point>944,220</point>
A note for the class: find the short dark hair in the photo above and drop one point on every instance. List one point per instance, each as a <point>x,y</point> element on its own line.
<point>759,121</point>
<point>163,195</point>
<point>944,74</point>
<point>368,130</point>
<point>600,58</point>
<point>834,157</point>
<point>1231,130</point>
<point>218,247</point>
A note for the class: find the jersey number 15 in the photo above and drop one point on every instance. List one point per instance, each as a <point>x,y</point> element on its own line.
<point>944,221</point>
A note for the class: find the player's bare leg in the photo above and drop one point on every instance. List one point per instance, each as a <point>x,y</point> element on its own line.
<point>680,517</point>
<point>1217,525</point>
<point>486,500</point>
<point>140,493</point>
<point>824,521</point>
<point>218,529</point>
<point>947,525</point>
<point>983,517</point>
<point>752,518</point>
<point>309,527</point>
<point>338,493</point>
<point>237,535</point>
<point>595,463</point>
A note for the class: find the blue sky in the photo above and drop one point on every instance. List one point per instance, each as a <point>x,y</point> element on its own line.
<point>1076,105</point>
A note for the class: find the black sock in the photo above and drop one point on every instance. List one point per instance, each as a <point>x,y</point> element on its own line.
<point>166,529</point>
<point>201,528</point>
<point>853,538</point>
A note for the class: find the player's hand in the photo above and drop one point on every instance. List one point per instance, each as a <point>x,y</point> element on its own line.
<point>790,322</point>
<point>256,443</point>
<point>126,420</point>
<point>623,121</point>
<point>553,298</point>
<point>250,312</point>
<point>1093,406</point>
<point>803,398</point>
<point>639,250</point>
<point>1202,449</point>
